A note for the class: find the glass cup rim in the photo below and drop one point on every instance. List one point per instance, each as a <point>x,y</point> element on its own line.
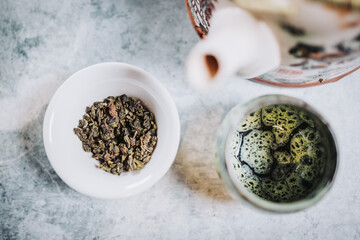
<point>229,124</point>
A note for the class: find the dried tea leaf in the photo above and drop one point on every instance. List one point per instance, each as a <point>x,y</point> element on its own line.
<point>112,110</point>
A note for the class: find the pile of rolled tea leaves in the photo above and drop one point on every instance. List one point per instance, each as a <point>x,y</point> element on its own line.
<point>120,132</point>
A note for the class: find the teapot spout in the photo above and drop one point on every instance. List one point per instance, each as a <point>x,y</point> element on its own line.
<point>236,43</point>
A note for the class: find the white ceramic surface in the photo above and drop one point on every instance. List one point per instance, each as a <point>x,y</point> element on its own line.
<point>64,150</point>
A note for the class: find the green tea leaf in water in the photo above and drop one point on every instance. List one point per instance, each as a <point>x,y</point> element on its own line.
<point>278,153</point>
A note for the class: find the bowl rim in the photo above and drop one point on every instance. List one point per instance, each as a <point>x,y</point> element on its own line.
<point>173,120</point>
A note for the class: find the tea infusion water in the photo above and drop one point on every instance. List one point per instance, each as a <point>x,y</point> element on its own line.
<point>278,154</point>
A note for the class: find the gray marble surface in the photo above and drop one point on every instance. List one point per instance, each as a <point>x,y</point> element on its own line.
<point>43,42</point>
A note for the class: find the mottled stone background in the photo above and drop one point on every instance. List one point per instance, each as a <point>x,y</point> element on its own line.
<point>43,42</point>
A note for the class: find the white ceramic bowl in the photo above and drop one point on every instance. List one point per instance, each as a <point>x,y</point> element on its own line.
<point>64,150</point>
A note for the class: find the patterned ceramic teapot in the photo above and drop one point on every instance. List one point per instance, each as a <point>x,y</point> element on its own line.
<point>297,43</point>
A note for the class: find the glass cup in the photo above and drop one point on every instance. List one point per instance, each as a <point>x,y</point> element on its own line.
<point>224,145</point>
